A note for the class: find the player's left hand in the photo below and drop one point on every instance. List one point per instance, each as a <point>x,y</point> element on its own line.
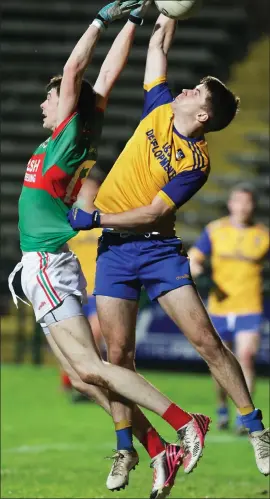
<point>140,11</point>
<point>81,220</point>
<point>116,10</point>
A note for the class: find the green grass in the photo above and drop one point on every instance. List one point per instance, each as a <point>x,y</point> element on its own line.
<point>52,448</point>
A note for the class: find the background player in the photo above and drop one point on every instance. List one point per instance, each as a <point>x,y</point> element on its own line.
<point>236,246</point>
<point>162,166</point>
<point>51,274</point>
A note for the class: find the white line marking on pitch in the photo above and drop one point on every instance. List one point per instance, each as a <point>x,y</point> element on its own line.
<point>66,447</point>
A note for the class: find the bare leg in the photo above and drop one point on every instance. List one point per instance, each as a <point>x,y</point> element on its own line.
<point>99,340</point>
<point>95,327</point>
<point>246,347</point>
<point>222,398</point>
<point>93,392</point>
<point>140,423</point>
<point>74,338</point>
<point>118,322</point>
<point>186,309</point>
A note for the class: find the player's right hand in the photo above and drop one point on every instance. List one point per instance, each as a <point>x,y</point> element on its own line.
<point>116,10</point>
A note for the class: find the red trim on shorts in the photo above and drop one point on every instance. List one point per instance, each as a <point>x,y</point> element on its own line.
<point>48,280</point>
<point>43,270</point>
<point>46,293</point>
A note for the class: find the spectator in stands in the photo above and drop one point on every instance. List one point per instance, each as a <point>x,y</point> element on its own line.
<point>236,246</point>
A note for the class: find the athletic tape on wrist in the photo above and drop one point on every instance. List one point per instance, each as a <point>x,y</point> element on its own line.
<point>99,23</point>
<point>135,20</point>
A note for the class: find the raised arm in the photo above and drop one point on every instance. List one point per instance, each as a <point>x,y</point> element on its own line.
<point>81,56</point>
<point>159,45</point>
<point>73,72</point>
<point>118,54</point>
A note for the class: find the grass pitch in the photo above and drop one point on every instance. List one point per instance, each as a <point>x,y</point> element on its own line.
<point>52,448</point>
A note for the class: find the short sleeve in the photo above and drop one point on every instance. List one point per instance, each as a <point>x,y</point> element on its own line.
<point>203,243</point>
<point>182,187</point>
<point>156,94</point>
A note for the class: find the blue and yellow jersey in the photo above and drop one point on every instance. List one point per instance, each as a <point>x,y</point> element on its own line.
<point>157,160</point>
<point>236,255</point>
<point>84,246</point>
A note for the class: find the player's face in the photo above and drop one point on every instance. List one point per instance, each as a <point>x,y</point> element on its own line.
<point>241,206</point>
<point>192,103</point>
<point>49,109</point>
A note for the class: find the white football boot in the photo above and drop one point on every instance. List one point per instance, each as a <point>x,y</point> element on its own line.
<point>260,441</point>
<point>166,465</point>
<point>124,462</point>
<point>192,437</point>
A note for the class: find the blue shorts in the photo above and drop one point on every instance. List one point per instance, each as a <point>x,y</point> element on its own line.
<point>125,264</point>
<point>228,326</point>
<point>90,307</point>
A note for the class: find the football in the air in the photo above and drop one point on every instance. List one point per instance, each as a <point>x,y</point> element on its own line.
<point>177,9</point>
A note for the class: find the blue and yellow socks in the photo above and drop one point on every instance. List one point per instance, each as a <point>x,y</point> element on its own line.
<point>124,435</point>
<point>251,418</point>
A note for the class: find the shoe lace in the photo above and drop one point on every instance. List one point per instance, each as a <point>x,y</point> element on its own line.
<point>118,465</point>
<point>184,439</point>
<point>263,446</point>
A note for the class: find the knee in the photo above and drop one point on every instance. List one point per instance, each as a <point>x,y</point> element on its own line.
<point>92,375</point>
<point>121,355</point>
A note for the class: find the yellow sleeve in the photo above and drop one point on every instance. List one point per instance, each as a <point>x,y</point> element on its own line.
<point>166,199</point>
<point>154,83</point>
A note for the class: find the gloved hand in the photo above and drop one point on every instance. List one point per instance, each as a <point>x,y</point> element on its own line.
<point>81,220</point>
<point>137,15</point>
<point>116,10</point>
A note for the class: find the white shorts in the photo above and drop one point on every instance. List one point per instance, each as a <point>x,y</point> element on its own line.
<point>48,278</point>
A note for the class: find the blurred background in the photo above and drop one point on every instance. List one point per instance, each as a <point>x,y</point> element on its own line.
<point>228,39</point>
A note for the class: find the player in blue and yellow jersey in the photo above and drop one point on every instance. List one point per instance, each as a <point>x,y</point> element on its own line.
<point>162,166</point>
<point>236,247</point>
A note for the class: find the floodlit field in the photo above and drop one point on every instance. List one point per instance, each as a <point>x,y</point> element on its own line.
<point>53,448</point>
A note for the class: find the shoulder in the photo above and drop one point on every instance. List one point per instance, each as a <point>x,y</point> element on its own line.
<point>220,223</point>
<point>192,153</point>
<point>262,228</point>
<point>67,123</point>
<point>263,232</point>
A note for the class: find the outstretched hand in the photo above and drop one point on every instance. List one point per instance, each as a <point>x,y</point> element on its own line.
<point>141,9</point>
<point>119,8</point>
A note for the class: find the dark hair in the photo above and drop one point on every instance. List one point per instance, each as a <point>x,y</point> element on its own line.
<point>223,104</point>
<point>245,187</point>
<point>87,99</point>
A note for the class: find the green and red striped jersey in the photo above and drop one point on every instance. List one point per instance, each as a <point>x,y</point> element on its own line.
<point>52,181</point>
